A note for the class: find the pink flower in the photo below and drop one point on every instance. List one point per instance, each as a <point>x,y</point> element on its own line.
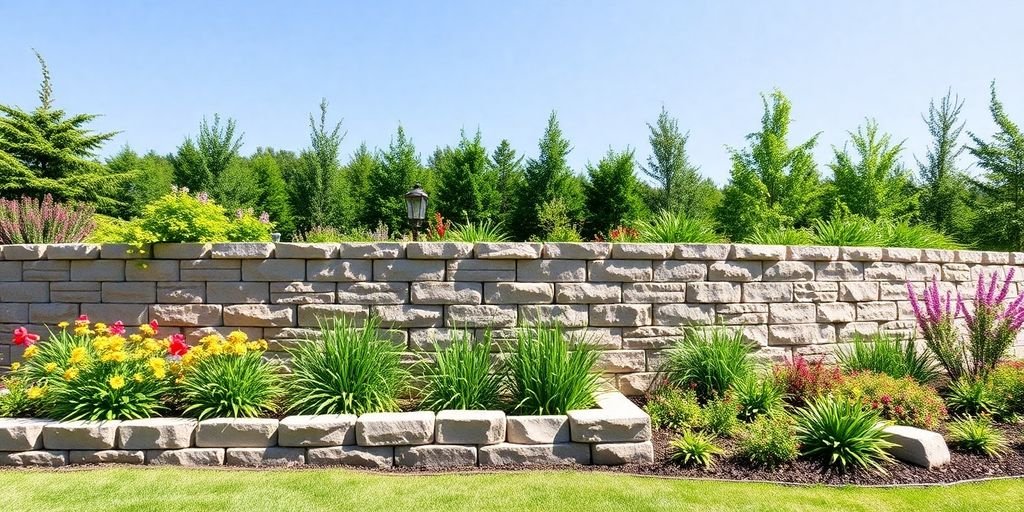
<point>117,328</point>
<point>155,326</point>
<point>23,337</point>
<point>178,347</point>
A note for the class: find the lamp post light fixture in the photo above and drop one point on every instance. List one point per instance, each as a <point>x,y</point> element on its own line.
<point>416,208</point>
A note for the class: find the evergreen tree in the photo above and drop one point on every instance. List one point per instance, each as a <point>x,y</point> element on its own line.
<point>508,170</point>
<point>360,166</point>
<point>872,182</point>
<point>612,194</point>
<point>199,164</point>
<point>545,178</point>
<point>944,185</point>
<point>316,186</point>
<point>152,174</point>
<point>237,187</point>
<point>273,191</point>
<point>466,190</point>
<point>397,171</point>
<point>1001,205</point>
<point>770,183</point>
<point>45,151</point>
<point>682,187</point>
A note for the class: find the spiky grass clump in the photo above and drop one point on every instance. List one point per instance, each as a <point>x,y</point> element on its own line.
<point>977,435</point>
<point>231,386</point>
<point>463,376</point>
<point>676,228</point>
<point>756,397</point>
<point>888,355</point>
<point>915,236</point>
<point>971,397</point>
<point>843,435</point>
<point>694,449</point>
<point>549,374</point>
<point>710,361</point>
<point>349,370</point>
<point>483,231</point>
<point>779,236</point>
<point>850,231</point>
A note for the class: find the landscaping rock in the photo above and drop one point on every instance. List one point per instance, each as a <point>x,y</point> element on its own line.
<point>438,250</point>
<point>918,446</point>
<point>614,454</point>
<point>107,457</point>
<point>80,435</point>
<point>186,457</point>
<point>508,250</point>
<point>551,429</point>
<point>320,430</point>
<point>270,456</point>
<point>617,421</point>
<point>21,434</point>
<point>435,455</point>
<point>469,427</point>
<point>577,251</point>
<point>156,434</point>
<point>34,458</point>
<point>531,454</point>
<point>371,456</point>
<point>236,433</point>
<point>239,250</point>
<point>395,428</point>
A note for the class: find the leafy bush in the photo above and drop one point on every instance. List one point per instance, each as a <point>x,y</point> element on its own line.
<point>971,397</point>
<point>885,354</point>
<point>320,235</point>
<point>765,235</point>
<point>246,227</point>
<point>549,375</point>
<point>675,409</point>
<point>769,441</point>
<point>849,231</point>
<point>349,371</point>
<point>1008,385</point>
<point>29,221</point>
<point>756,397</point>
<point>804,381</point>
<point>15,403</point>
<point>182,217</point>
<point>484,231</point>
<point>556,223</point>
<point>694,449</point>
<point>901,400</point>
<point>228,378</point>
<point>720,416</point>
<point>676,228</point>
<point>462,376</point>
<point>842,434</point>
<point>977,435</point>
<point>710,361</point>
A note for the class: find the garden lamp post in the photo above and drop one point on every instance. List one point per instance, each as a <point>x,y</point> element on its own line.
<point>416,208</point>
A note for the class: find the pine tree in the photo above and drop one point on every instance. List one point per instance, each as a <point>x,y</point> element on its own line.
<point>682,188</point>
<point>199,164</point>
<point>508,170</point>
<point>770,183</point>
<point>545,178</point>
<point>360,166</point>
<point>872,182</point>
<point>612,194</point>
<point>152,174</point>
<point>397,171</point>
<point>1001,205</point>
<point>273,191</point>
<point>45,151</point>
<point>316,185</point>
<point>944,189</point>
<point>466,186</point>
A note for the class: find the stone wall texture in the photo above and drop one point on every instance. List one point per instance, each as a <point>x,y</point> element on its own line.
<point>632,300</point>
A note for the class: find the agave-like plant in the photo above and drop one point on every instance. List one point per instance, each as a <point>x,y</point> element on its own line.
<point>843,435</point>
<point>483,231</point>
<point>676,228</point>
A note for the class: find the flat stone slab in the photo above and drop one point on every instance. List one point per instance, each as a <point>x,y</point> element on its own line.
<point>918,446</point>
<point>365,456</point>
<point>435,455</point>
<point>395,428</point>
<point>107,457</point>
<point>156,433</point>
<point>532,454</point>
<point>34,458</point>
<point>276,456</point>
<point>236,433</point>
<point>317,430</point>
<point>21,434</point>
<point>551,429</point>
<point>186,457</point>
<point>469,427</point>
<point>618,420</point>
<point>615,454</point>
<point>80,435</point>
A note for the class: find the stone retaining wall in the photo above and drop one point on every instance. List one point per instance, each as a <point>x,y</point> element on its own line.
<point>634,300</point>
<point>617,432</point>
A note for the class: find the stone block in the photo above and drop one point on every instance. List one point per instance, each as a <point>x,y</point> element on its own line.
<point>395,428</point>
<point>680,271</point>
<point>186,457</point>
<point>788,271</point>
<point>588,293</point>
<point>654,293</point>
<point>236,433</point>
<point>860,253</point>
<point>620,270</point>
<point>274,270</point>
<point>21,434</point>
<point>566,315</point>
<point>839,271</point>
<point>302,292</point>
<point>549,429</point>
<point>684,314</point>
<point>339,270</point>
<point>552,271</point>
<point>858,291</point>
<point>271,456</point>
<point>242,250</point>
<point>812,253</point>
<point>946,256</point>
<point>373,293</point>
<point>156,433</point>
<point>363,456</point>
<point>130,293</point>
<point>188,251</point>
<point>13,314</point>
<point>917,446</point>
<point>130,314</point>
<point>72,251</point>
<point>259,315</point>
<point>633,384</point>
<point>435,455</point>
<point>923,271</point>
<point>186,315</point>
<point>620,315</point>
<point>901,254</point>
<point>372,250</point>
<point>10,270</point>
<point>767,292</point>
<point>24,292</point>
<point>577,251</point>
<point>470,427</point>
<point>801,334</point>
<point>438,250</point>
<point>518,293</point>
<point>616,454</point>
<point>609,426</point>
<point>306,251</point>
<point>758,252</point>
<point>80,435</point>
<point>735,271</point>
<point>792,313</point>
<point>318,430</point>
<point>508,250</point>
<point>46,270</point>
<point>152,270</point>
<point>481,270</point>
<point>40,458</point>
<point>97,270</point>
<point>713,293</point>
<point>707,252</point>
<point>534,454</point>
<point>181,293</point>
<point>847,332</point>
<point>836,312</point>
<point>408,316</point>
<point>636,251</point>
<point>739,314</point>
<point>51,313</point>
<point>408,270</point>
<point>876,311</point>
<point>620,361</point>
<point>106,457</point>
<point>24,252</point>
<point>225,292</point>
<point>446,292</point>
<point>487,315</point>
<point>885,271</point>
<point>75,291</point>
<point>312,315</point>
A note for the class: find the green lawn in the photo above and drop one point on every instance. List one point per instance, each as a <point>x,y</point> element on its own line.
<point>180,490</point>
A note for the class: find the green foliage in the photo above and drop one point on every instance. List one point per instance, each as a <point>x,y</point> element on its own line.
<point>198,164</point>
<point>711,361</point>
<point>944,190</point>
<point>971,397</point>
<point>246,227</point>
<point>847,231</point>
<point>842,435</point>
<point>182,217</point>
<point>547,177</point>
<point>756,397</point>
<point>467,185</point>
<point>106,390</point>
<point>508,166</point>
<point>556,223</point>
<point>317,183</point>
<point>361,165</point>
<point>483,231</point>
<point>320,234</point>
<point>886,354</point>
<point>872,182</point>
<point>694,449</point>
<point>903,401</point>
<point>681,187</point>
<point>676,228</point>
<point>612,193</point>
<point>765,235</point>
<point>54,352</point>
<point>769,441</point>
<point>1001,205</point>
<point>231,386</point>
<point>1008,385</point>
<point>152,176</point>
<point>548,373</point>
<point>720,416</point>
<point>397,170</point>
<point>915,236</point>
<point>462,377</point>
<point>273,191</point>
<point>15,403</point>
<point>674,409</point>
<point>977,435</point>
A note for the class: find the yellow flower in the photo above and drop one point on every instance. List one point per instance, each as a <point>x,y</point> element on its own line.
<point>35,392</point>
<point>50,367</point>
<point>151,345</point>
<point>83,330</point>
<point>63,325</point>
<point>146,330</point>
<point>71,374</point>
<point>78,355</point>
<point>116,343</point>
<point>135,337</point>
<point>101,343</point>
<point>118,357</point>
<point>116,382</point>
<point>237,337</point>
<point>138,377</point>
<point>15,366</point>
<point>100,327</point>
<point>158,366</point>
<point>31,352</point>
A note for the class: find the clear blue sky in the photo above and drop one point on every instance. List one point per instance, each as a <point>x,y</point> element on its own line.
<point>154,69</point>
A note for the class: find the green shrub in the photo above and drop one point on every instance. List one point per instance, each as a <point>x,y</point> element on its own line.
<point>1008,384</point>
<point>849,230</point>
<point>674,409</point>
<point>462,376</point>
<point>971,397</point>
<point>720,416</point>
<point>917,236</point>
<point>901,400</point>
<point>769,441</point>
<point>756,397</point>
<point>710,361</point>
<point>977,435</point>
<point>694,449</point>
<point>842,434</point>
<point>350,370</point>
<point>548,374</point>
<point>676,228</point>
<point>555,222</point>
<point>765,235</point>
<point>230,386</point>
<point>320,235</point>
<point>888,355</point>
<point>484,231</point>
<point>15,403</point>
<point>246,227</point>
<point>182,217</point>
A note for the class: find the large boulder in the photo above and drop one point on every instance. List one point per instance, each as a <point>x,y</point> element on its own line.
<point>918,446</point>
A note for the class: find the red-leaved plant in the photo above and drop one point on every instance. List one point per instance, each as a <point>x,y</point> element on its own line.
<point>804,380</point>
<point>30,221</point>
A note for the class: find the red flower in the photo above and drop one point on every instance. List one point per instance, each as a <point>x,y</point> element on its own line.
<point>82,320</point>
<point>177,347</point>
<point>23,337</point>
<point>117,328</point>
<point>155,326</point>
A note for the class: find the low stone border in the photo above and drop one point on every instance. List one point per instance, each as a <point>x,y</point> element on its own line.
<point>617,432</point>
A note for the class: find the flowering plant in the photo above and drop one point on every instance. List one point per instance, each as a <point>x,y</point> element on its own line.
<point>803,381</point>
<point>227,377</point>
<point>901,400</point>
<point>30,221</point>
<point>438,229</point>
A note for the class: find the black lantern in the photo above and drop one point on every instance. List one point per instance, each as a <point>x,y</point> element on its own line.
<point>416,208</point>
